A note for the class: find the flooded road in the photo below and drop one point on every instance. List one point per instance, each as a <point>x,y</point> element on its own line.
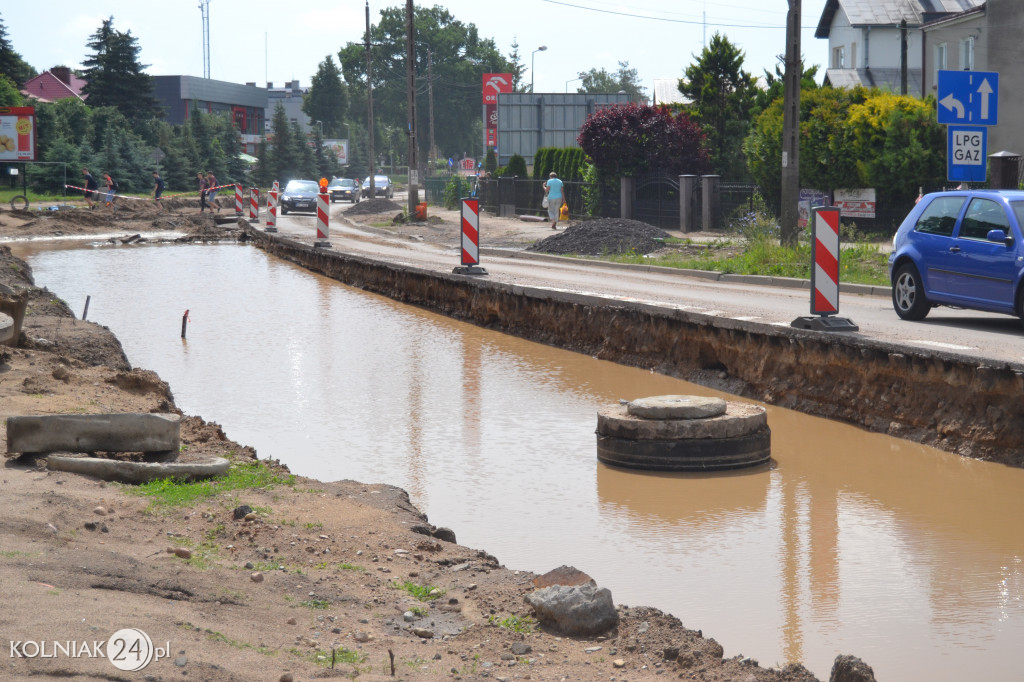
<point>905,556</point>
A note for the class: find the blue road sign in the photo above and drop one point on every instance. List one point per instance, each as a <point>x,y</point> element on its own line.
<point>969,97</point>
<point>966,156</point>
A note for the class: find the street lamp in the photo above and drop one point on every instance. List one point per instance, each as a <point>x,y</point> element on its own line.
<point>539,49</point>
<point>570,81</point>
<point>320,125</point>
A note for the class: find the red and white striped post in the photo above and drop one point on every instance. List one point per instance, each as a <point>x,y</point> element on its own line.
<point>254,205</point>
<point>238,200</point>
<point>322,216</point>
<point>272,208</point>
<point>825,253</point>
<point>470,239</point>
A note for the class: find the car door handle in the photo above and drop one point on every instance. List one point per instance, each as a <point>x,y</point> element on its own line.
<point>954,249</point>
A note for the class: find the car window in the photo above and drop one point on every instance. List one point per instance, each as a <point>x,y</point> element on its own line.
<point>983,215</point>
<point>301,185</point>
<point>939,217</point>
<point>1018,210</point>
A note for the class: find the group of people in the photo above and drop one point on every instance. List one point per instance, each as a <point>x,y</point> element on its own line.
<point>92,188</point>
<point>207,191</point>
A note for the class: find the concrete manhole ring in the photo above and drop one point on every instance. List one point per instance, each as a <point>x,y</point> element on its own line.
<point>738,419</point>
<point>676,407</point>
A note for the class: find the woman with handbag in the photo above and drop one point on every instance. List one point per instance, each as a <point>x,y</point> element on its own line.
<point>554,198</point>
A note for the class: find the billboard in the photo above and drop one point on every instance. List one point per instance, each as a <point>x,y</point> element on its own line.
<point>339,148</point>
<point>855,203</point>
<point>17,133</point>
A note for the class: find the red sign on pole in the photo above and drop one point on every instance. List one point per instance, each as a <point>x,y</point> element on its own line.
<point>492,85</point>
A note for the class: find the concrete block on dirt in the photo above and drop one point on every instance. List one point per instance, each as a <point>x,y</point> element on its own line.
<point>138,472</point>
<point>126,432</point>
<point>6,328</point>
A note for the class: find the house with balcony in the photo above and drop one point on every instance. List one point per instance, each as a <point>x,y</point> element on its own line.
<point>866,40</point>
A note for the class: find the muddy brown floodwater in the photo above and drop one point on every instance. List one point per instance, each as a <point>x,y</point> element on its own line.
<point>852,542</point>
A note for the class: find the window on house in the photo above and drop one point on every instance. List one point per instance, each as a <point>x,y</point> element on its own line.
<point>967,54</point>
<point>940,60</point>
<point>839,57</point>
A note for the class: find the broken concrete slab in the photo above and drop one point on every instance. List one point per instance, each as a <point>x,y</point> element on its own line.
<point>137,472</point>
<point>6,328</point>
<point>123,432</point>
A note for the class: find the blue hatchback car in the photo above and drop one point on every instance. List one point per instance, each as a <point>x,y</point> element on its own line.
<point>961,249</point>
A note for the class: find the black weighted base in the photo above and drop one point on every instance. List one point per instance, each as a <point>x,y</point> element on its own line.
<point>825,324</point>
<point>698,454</point>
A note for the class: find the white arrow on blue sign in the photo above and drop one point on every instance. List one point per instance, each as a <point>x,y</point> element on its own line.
<point>966,156</point>
<point>969,97</point>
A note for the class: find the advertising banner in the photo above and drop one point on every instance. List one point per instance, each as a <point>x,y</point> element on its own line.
<point>17,133</point>
<point>855,203</point>
<point>339,148</point>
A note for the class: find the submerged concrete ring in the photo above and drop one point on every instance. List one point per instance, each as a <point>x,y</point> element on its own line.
<point>739,419</point>
<point>706,454</point>
<point>676,407</point>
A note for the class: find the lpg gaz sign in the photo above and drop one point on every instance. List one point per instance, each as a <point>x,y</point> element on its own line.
<point>966,154</point>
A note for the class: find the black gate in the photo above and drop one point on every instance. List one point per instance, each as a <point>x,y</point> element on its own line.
<point>656,200</point>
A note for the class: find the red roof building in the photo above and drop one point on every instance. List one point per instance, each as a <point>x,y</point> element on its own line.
<point>57,83</point>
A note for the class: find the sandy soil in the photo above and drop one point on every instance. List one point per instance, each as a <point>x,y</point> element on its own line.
<point>315,571</point>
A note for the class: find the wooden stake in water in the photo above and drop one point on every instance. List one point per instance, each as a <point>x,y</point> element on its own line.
<point>86,311</point>
<point>184,324</point>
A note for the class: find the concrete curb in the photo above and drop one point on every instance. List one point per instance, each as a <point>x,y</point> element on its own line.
<point>762,280</point>
<point>137,472</point>
<point>115,432</point>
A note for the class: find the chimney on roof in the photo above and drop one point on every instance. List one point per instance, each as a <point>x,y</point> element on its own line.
<point>62,74</point>
<point>270,85</point>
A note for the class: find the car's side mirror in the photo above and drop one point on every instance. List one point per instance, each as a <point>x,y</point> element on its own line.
<point>1000,236</point>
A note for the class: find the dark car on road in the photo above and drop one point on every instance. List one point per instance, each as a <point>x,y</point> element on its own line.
<point>962,249</point>
<point>343,189</point>
<point>382,187</point>
<point>299,195</point>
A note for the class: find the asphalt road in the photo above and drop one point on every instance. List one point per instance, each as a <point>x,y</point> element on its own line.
<point>999,338</point>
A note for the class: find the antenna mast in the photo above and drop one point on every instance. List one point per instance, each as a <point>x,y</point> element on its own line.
<point>204,7</point>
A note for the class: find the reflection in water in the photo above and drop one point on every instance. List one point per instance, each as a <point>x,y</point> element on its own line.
<point>852,543</point>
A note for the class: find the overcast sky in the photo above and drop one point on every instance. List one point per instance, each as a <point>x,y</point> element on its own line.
<point>260,41</point>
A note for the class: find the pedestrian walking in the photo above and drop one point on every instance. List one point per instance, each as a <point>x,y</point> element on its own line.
<point>109,181</point>
<point>90,187</point>
<point>158,190</point>
<point>553,192</point>
<point>202,191</point>
<point>211,191</point>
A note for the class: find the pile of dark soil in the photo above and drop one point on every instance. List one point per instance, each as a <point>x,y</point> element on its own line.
<point>367,206</point>
<point>603,236</point>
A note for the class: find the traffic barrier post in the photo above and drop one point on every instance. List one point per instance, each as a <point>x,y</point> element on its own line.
<point>825,254</point>
<point>470,239</point>
<point>254,205</point>
<point>272,208</point>
<point>238,200</point>
<point>322,217</point>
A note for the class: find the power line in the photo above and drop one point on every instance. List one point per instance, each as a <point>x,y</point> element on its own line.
<point>673,21</point>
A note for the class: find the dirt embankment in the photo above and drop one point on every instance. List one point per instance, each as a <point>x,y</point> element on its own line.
<point>315,572</point>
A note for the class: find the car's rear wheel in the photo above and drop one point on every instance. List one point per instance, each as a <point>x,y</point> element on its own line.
<point>284,210</point>
<point>908,299</point>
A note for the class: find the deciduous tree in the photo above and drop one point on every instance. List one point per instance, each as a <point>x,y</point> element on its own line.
<point>623,80</point>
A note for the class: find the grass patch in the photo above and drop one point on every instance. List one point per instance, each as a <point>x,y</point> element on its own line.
<point>514,623</point>
<point>418,611</point>
<point>350,567</point>
<point>420,592</point>
<point>315,603</point>
<point>215,636</point>
<point>170,493</point>
<point>328,659</point>
<point>318,525</point>
<point>272,565</point>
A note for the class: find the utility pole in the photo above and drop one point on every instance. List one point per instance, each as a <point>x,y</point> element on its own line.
<point>410,74</point>
<point>432,156</point>
<point>791,129</point>
<point>369,101</point>
<point>204,7</point>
